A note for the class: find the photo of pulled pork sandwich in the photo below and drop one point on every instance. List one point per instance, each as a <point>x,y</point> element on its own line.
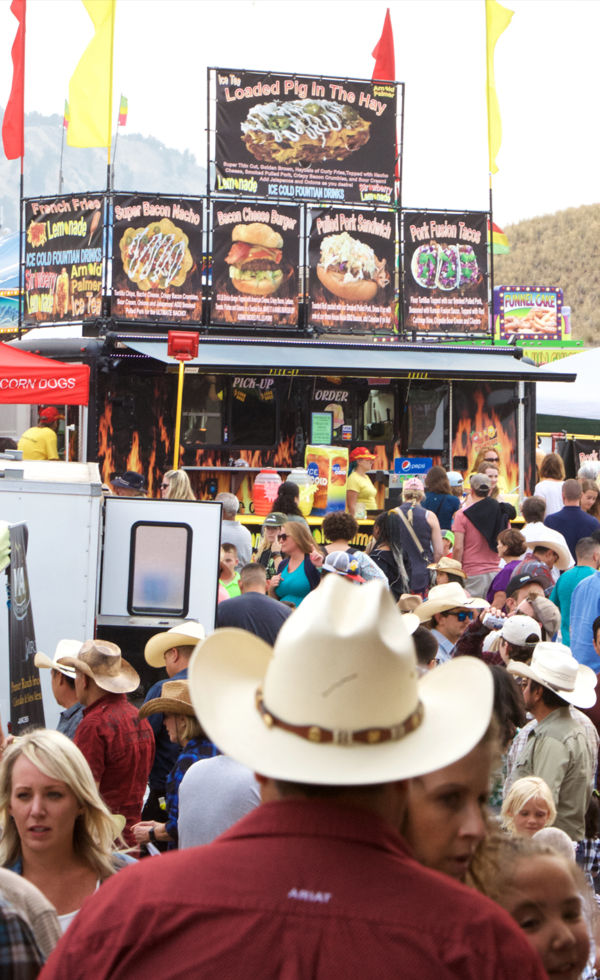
<point>349,268</point>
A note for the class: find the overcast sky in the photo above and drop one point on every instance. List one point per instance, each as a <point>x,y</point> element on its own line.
<point>546,74</point>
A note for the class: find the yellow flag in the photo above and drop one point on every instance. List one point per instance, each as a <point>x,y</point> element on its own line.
<point>497,19</point>
<point>90,88</point>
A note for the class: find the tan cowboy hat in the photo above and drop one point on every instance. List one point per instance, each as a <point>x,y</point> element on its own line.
<point>174,700</point>
<point>102,661</point>
<point>64,648</point>
<point>554,666</point>
<point>186,635</point>
<point>546,537</point>
<point>338,700</point>
<point>448,596</point>
<point>409,602</point>
<point>450,565</point>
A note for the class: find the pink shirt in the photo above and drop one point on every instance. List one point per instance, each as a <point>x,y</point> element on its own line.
<point>478,558</point>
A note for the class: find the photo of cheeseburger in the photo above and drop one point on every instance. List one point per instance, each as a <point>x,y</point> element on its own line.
<point>350,269</point>
<point>254,259</point>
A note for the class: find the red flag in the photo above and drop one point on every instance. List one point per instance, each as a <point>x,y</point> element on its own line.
<point>13,124</point>
<point>383,52</point>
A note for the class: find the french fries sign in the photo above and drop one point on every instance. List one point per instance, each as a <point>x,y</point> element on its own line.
<point>303,138</point>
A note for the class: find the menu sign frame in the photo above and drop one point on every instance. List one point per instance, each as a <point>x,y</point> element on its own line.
<point>528,312</point>
<point>306,137</point>
<point>352,258</point>
<point>63,270</point>
<point>445,272</point>
<point>157,258</point>
<point>255,264</point>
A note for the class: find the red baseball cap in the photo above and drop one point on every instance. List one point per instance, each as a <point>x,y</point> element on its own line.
<point>361,452</point>
<point>50,414</point>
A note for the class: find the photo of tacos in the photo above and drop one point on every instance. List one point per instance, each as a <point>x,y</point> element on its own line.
<point>349,268</point>
<point>157,256</point>
<point>303,131</point>
<point>445,267</point>
<point>254,259</point>
<point>469,269</point>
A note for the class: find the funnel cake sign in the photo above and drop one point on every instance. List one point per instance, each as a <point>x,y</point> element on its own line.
<point>63,258</point>
<point>445,272</point>
<point>328,140</point>
<point>157,259</point>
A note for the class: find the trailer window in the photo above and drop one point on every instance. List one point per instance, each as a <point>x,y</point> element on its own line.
<point>378,415</point>
<point>159,573</point>
<point>426,417</point>
<point>203,411</point>
<point>253,412</point>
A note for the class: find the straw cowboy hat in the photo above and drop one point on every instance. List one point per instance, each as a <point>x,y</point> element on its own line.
<point>448,596</point>
<point>337,700</point>
<point>554,666</point>
<point>102,661</point>
<point>548,538</point>
<point>186,635</point>
<point>174,700</point>
<point>450,565</point>
<point>64,648</point>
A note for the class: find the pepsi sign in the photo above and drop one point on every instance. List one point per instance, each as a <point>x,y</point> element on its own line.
<point>413,465</point>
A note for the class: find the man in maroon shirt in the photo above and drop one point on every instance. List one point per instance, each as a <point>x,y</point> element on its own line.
<point>316,883</point>
<point>117,743</point>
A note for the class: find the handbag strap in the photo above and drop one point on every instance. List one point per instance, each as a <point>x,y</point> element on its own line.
<point>411,531</point>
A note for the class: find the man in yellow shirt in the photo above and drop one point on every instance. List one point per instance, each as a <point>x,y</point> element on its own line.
<point>39,442</point>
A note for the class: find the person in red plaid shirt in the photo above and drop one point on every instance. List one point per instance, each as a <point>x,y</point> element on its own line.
<point>117,743</point>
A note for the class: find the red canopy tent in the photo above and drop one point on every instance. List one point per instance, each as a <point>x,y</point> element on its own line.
<point>28,379</point>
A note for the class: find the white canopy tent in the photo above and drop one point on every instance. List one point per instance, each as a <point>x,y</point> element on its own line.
<point>573,406</point>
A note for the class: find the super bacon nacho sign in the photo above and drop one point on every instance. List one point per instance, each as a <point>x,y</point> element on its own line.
<point>327,140</point>
<point>255,264</point>
<point>63,258</point>
<point>157,259</point>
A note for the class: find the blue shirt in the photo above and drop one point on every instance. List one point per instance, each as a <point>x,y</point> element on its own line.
<point>166,750</point>
<point>69,719</point>
<point>574,524</point>
<point>561,596</point>
<point>197,748</point>
<point>585,606</point>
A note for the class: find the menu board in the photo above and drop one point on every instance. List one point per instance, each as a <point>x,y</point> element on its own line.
<point>256,249</point>
<point>351,269</point>
<point>157,258</point>
<point>305,138</point>
<point>533,312</point>
<point>63,258</point>
<point>445,272</point>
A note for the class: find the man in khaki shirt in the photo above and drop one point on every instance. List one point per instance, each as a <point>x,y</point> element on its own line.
<point>558,750</point>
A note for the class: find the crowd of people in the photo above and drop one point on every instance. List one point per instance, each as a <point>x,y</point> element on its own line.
<point>390,754</point>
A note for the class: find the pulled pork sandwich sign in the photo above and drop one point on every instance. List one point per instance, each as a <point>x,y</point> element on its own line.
<point>445,272</point>
<point>63,258</point>
<point>305,138</point>
<point>255,264</point>
<point>157,259</point>
<point>351,259</point>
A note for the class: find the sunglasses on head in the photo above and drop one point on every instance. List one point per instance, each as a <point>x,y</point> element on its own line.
<point>282,537</point>
<point>461,614</point>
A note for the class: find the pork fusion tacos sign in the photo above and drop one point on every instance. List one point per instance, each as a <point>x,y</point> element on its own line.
<point>255,264</point>
<point>305,138</point>
<point>63,258</point>
<point>352,260</point>
<point>157,259</point>
<point>445,272</point>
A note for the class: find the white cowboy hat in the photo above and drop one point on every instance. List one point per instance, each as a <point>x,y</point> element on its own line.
<point>102,661</point>
<point>548,538</point>
<point>448,596</point>
<point>554,666</point>
<point>187,635</point>
<point>64,648</point>
<point>337,700</point>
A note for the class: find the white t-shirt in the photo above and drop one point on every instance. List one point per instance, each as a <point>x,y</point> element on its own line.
<point>551,491</point>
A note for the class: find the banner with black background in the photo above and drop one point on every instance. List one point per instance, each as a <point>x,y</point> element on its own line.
<point>26,706</point>
<point>306,138</point>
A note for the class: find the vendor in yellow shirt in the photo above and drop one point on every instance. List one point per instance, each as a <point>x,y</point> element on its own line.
<point>361,495</point>
<point>39,442</point>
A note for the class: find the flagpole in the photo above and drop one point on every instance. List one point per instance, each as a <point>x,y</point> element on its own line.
<point>114,157</point>
<point>491,238</point>
<point>60,169</point>
<point>21,247</point>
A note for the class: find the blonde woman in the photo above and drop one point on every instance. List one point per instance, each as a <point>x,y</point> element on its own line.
<point>297,574</point>
<point>56,831</point>
<point>176,486</point>
<point>528,807</point>
<point>421,537</point>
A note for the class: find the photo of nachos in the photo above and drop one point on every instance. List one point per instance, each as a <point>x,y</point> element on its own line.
<point>303,131</point>
<point>156,257</point>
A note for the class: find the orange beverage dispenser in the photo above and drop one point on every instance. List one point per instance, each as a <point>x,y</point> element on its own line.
<point>328,467</point>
